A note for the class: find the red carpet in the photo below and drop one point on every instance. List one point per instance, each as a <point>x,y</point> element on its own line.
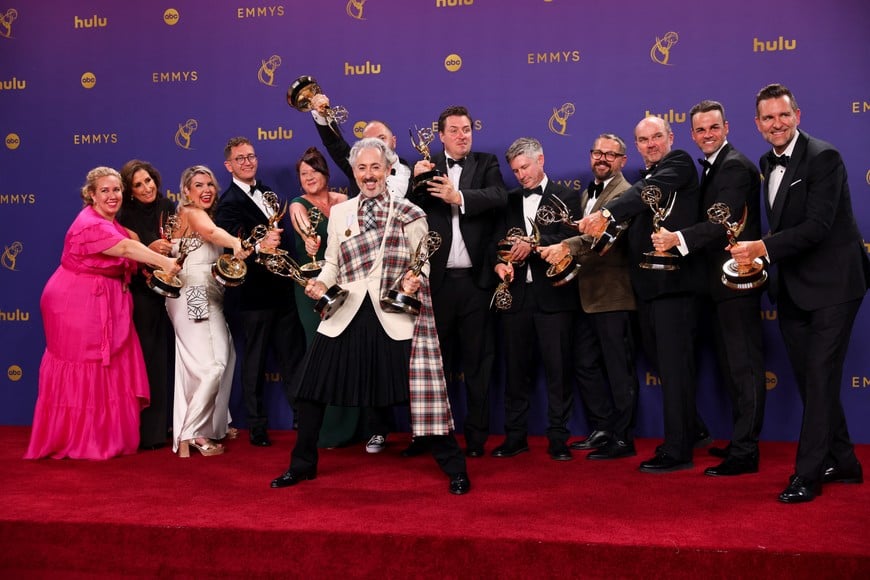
<point>381,516</point>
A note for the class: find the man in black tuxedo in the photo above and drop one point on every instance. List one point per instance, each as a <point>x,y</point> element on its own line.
<point>729,178</point>
<point>339,148</point>
<point>667,300</point>
<point>462,206</point>
<point>264,305</point>
<point>540,319</point>
<point>821,273</point>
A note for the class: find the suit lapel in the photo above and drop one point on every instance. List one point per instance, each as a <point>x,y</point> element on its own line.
<point>467,175</point>
<point>800,149</point>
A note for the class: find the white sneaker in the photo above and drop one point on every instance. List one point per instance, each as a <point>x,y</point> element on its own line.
<point>376,444</point>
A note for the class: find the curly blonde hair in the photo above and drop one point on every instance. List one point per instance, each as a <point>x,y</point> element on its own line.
<point>90,185</point>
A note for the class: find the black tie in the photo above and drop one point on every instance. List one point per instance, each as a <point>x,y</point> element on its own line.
<point>705,164</point>
<point>595,189</point>
<point>253,188</point>
<point>773,160</point>
<point>535,190</point>
<point>452,162</point>
<point>647,171</point>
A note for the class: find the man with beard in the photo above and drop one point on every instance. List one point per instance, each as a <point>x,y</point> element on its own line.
<point>604,339</point>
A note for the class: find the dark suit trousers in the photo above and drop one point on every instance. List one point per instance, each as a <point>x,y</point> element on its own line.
<point>589,374</point>
<point>614,337</point>
<point>528,331</point>
<point>739,343</point>
<point>280,329</point>
<point>669,328</point>
<point>817,342</point>
<point>304,457</point>
<point>464,322</point>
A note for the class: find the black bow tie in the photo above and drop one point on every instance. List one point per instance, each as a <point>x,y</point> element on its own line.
<point>773,160</point>
<point>535,190</point>
<point>452,162</point>
<point>648,170</point>
<point>705,164</point>
<point>595,189</point>
<point>254,188</point>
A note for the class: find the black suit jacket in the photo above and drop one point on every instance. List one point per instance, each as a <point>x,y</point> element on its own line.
<point>550,298</point>
<point>238,214</point>
<point>735,181</point>
<point>339,149</point>
<point>814,239</point>
<point>676,175</point>
<point>485,196</point>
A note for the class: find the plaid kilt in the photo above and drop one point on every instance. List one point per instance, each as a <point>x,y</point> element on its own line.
<point>430,407</point>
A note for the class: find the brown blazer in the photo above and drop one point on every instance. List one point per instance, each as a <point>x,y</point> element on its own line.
<point>604,281</point>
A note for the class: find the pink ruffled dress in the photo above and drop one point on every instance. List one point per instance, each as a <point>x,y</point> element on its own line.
<point>92,380</point>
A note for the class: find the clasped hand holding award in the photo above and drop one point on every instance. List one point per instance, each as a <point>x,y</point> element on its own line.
<point>420,182</point>
<point>231,271</point>
<point>567,268</point>
<point>734,275</point>
<point>300,95</point>
<point>502,298</point>
<point>309,230</point>
<point>395,299</point>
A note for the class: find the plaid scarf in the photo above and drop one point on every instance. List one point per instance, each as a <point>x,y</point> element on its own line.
<point>430,407</point>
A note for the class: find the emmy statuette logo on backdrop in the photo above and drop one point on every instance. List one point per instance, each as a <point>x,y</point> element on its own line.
<point>661,51</point>
<point>558,122</point>
<point>182,135</point>
<point>6,21</point>
<point>10,255</point>
<point>266,73</point>
<point>354,9</point>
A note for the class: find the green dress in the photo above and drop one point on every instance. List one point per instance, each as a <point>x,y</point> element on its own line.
<point>341,425</point>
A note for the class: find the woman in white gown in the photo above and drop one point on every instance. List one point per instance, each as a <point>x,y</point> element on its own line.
<point>204,352</point>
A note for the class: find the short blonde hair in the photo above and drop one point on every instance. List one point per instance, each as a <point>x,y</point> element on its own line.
<point>90,185</point>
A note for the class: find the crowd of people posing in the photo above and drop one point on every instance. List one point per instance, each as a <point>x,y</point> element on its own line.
<point>384,292</point>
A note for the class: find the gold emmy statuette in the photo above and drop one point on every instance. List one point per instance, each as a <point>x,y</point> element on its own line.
<point>299,97</point>
<point>397,301</point>
<point>652,195</point>
<point>421,142</point>
<point>231,271</point>
<point>271,200</point>
<point>568,268</point>
<point>167,284</point>
<point>735,276</point>
<point>502,298</point>
<point>309,230</point>
<point>284,265</point>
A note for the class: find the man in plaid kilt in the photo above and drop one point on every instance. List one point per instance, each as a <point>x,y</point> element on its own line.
<point>365,355</point>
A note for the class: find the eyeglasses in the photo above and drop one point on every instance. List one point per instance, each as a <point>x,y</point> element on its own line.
<point>250,158</point>
<point>609,155</point>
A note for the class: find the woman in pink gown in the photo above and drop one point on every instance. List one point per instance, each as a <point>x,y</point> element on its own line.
<point>92,380</point>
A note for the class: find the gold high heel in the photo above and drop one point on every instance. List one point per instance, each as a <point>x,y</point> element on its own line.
<point>208,448</point>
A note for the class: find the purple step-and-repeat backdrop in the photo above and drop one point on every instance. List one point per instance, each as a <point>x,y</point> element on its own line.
<point>97,82</point>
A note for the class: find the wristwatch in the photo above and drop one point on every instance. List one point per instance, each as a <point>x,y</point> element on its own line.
<point>606,213</point>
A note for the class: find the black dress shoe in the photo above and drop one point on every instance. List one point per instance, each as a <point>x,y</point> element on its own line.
<point>800,490</point>
<point>664,463</point>
<point>841,475</point>
<point>596,440</point>
<point>474,451</point>
<point>559,451</point>
<point>720,452</point>
<point>510,448</point>
<point>460,484</point>
<point>289,478</point>
<point>417,447</point>
<point>734,466</point>
<point>616,449</point>
<point>260,439</point>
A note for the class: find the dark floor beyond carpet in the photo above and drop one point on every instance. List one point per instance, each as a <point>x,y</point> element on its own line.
<point>382,516</point>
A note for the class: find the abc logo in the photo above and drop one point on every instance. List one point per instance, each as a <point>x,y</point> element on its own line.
<point>89,80</point>
<point>170,17</point>
<point>770,380</point>
<point>14,373</point>
<point>453,62</point>
<point>358,129</point>
<point>12,141</point>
